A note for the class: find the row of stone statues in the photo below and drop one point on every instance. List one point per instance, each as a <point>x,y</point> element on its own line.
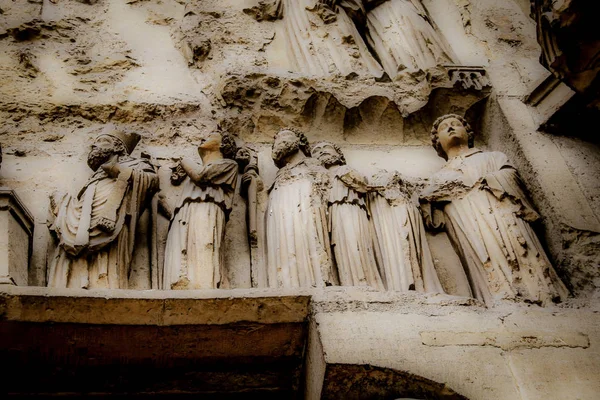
<point>325,224</point>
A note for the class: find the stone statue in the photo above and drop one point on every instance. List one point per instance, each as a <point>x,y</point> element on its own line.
<point>193,254</point>
<point>351,237</point>
<point>327,37</point>
<point>322,39</point>
<point>252,185</point>
<point>480,200</point>
<point>404,38</point>
<point>401,246</point>
<point>298,250</point>
<point>96,228</point>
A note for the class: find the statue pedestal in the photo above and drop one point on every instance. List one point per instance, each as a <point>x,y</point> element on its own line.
<point>16,238</point>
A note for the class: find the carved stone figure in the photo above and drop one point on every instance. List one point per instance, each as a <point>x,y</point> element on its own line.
<point>193,254</point>
<point>298,249</point>
<point>325,37</point>
<point>96,228</point>
<point>568,34</point>
<point>252,185</point>
<point>401,246</point>
<point>351,237</point>
<point>322,39</point>
<point>404,38</point>
<point>479,198</point>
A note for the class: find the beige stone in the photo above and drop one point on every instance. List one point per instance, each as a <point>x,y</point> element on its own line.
<point>16,239</point>
<point>172,70</point>
<point>503,354</point>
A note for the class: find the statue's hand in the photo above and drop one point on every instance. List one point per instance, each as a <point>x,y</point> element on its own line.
<point>248,177</point>
<point>111,167</point>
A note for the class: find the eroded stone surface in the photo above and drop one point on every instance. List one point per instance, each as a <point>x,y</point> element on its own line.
<point>171,70</point>
<point>477,353</point>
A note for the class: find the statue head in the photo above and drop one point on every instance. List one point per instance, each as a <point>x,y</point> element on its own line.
<point>247,157</point>
<point>289,141</point>
<point>451,130</point>
<point>218,141</point>
<point>329,154</point>
<point>106,145</point>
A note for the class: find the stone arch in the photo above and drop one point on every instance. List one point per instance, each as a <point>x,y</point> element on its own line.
<point>366,382</point>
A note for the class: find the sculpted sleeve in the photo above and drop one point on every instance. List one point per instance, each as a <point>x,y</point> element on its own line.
<point>353,179</point>
<point>220,173</point>
<point>144,185</point>
<point>430,199</point>
<point>432,216</point>
<point>505,182</point>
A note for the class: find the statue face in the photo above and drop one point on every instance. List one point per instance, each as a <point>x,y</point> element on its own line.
<point>286,143</point>
<point>326,154</point>
<point>102,149</point>
<point>210,141</point>
<point>243,156</point>
<point>452,133</point>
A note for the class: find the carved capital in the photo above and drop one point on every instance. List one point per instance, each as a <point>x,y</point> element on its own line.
<point>468,77</point>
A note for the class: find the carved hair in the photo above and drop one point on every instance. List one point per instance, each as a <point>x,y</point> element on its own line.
<point>335,147</point>
<point>228,146</point>
<point>118,145</point>
<point>303,144</point>
<point>434,133</point>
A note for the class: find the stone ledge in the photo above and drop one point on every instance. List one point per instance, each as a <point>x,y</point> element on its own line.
<point>221,343</point>
<point>152,307</point>
<point>421,346</point>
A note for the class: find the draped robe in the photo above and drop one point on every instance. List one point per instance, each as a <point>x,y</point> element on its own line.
<point>88,254</point>
<point>320,49</point>
<point>480,200</point>
<point>401,244</point>
<point>193,254</point>
<point>298,248</point>
<point>351,235</point>
<point>404,39</point>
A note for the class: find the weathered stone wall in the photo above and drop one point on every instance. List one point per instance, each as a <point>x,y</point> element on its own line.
<point>171,69</point>
<point>73,67</point>
<point>504,353</point>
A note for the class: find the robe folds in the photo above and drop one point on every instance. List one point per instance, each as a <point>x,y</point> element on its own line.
<point>194,251</point>
<point>96,229</point>
<point>401,244</point>
<point>480,200</point>
<point>298,248</point>
<point>404,39</point>
<point>351,235</point>
<point>324,49</point>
